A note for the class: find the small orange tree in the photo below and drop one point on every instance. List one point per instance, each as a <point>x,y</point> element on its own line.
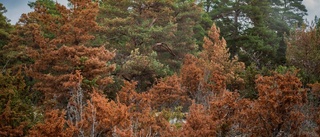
<point>216,58</point>
<point>276,111</point>
<point>212,71</point>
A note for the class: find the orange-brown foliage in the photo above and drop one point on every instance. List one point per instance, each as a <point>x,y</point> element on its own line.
<point>226,112</point>
<point>6,127</point>
<point>145,121</point>
<point>56,67</point>
<point>209,74</point>
<point>221,118</point>
<point>54,125</point>
<point>199,122</point>
<point>276,112</point>
<point>221,69</point>
<point>191,75</point>
<point>168,93</point>
<point>129,96</point>
<point>13,110</point>
<point>56,46</point>
<point>40,30</point>
<point>315,88</point>
<point>104,118</point>
<point>64,67</point>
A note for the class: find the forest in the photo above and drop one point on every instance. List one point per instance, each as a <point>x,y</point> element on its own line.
<point>169,68</point>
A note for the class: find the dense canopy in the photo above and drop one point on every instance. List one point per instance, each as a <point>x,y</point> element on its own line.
<point>160,68</point>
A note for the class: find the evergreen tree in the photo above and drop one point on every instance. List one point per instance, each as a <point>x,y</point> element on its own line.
<point>5,30</point>
<point>50,5</point>
<point>278,108</point>
<point>144,69</point>
<point>254,29</point>
<point>286,14</point>
<point>212,71</point>
<point>163,28</point>
<point>290,11</point>
<point>53,49</point>
<point>230,17</point>
<point>5,27</point>
<point>259,44</point>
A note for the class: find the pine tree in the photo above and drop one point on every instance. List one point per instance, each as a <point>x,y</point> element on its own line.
<point>54,45</point>
<point>5,27</point>
<point>5,30</point>
<point>50,5</point>
<point>212,71</point>
<point>144,69</point>
<point>254,29</point>
<point>292,11</point>
<point>259,44</point>
<point>230,17</point>
<point>163,27</point>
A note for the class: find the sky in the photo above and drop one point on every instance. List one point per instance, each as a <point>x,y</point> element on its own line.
<point>16,7</point>
<point>313,7</point>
